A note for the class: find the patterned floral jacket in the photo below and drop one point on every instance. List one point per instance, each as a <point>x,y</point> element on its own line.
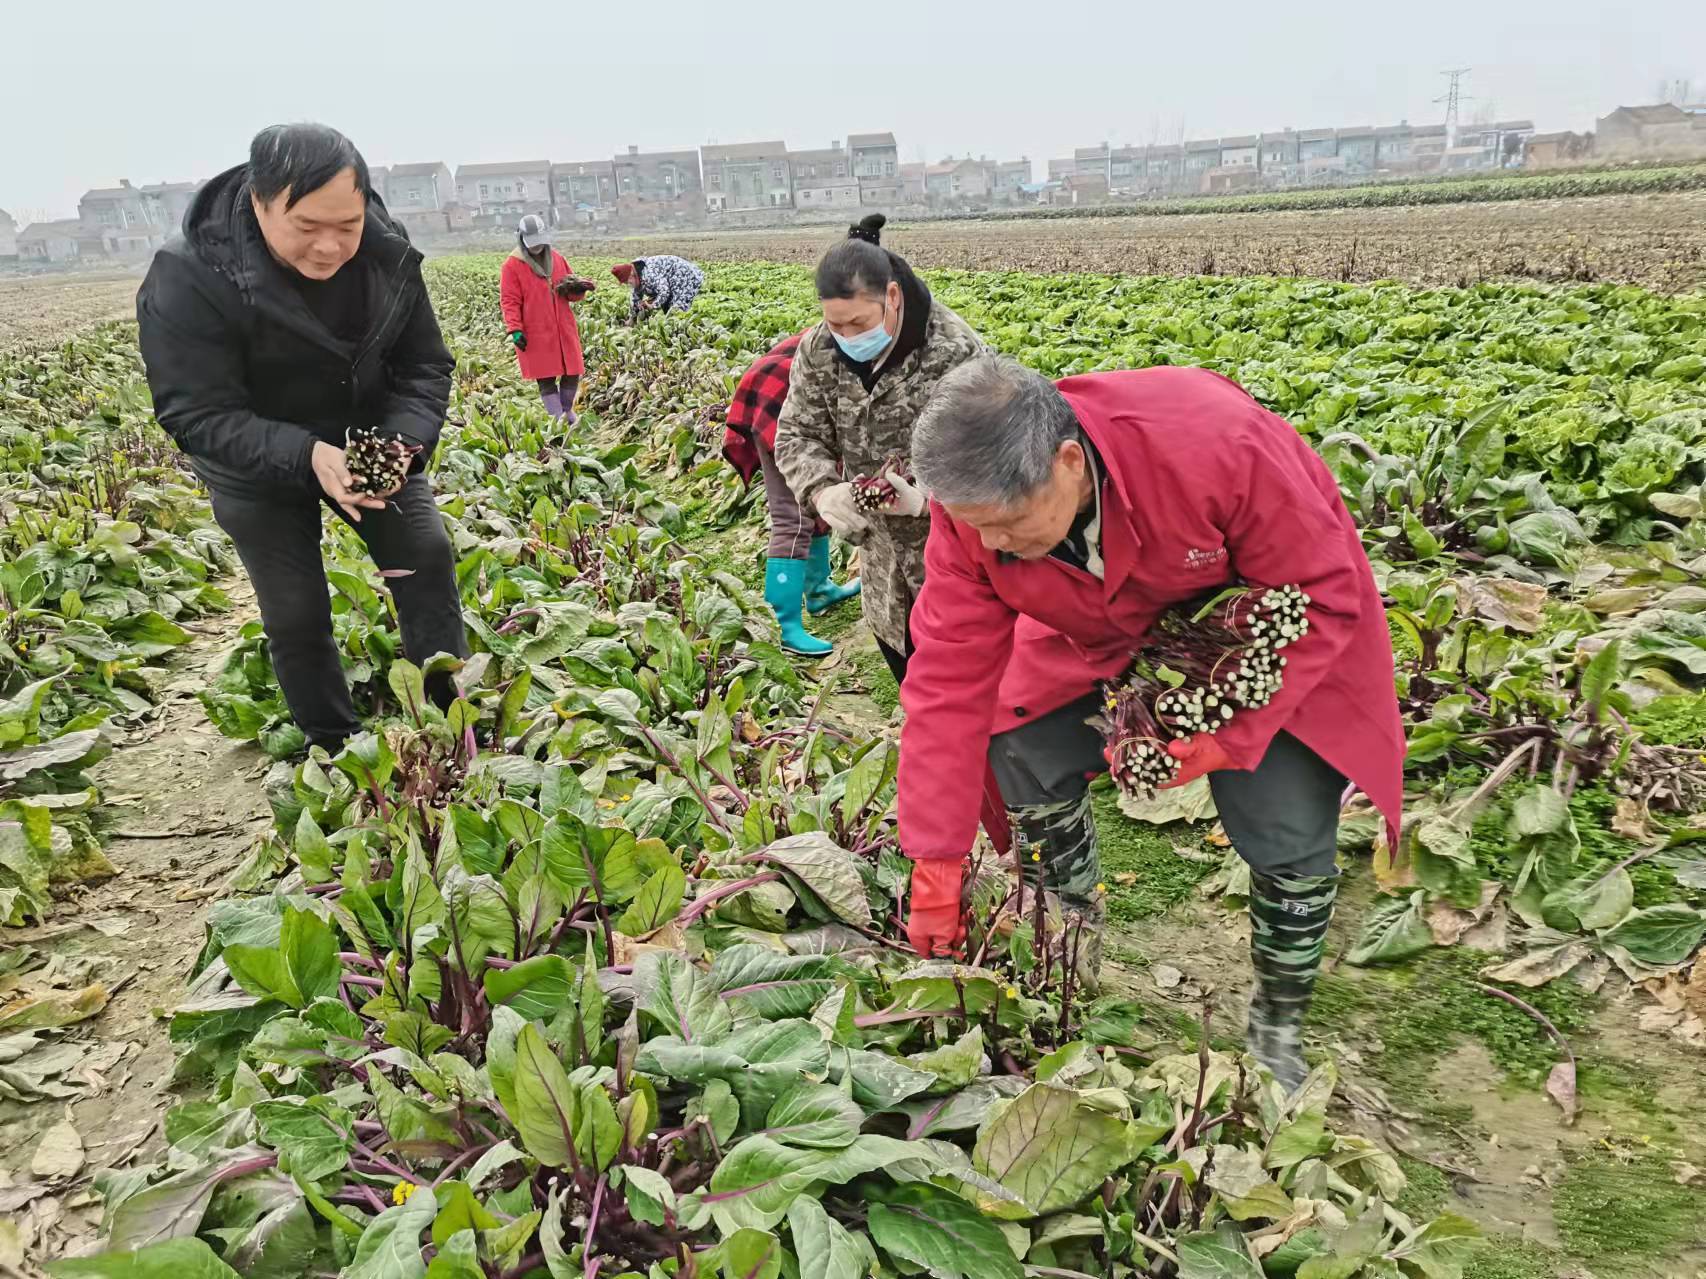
<point>832,429</point>
<point>668,282</point>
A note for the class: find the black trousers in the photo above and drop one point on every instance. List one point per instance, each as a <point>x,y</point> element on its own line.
<point>1282,816</point>
<point>278,540</point>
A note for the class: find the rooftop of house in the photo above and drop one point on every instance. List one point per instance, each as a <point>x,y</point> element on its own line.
<point>63,228</point>
<point>500,170</point>
<point>745,151</point>
<point>870,140</point>
<point>658,157</point>
<point>1661,113</point>
<point>580,167</point>
<point>1243,140</point>
<point>1317,135</point>
<point>417,170</point>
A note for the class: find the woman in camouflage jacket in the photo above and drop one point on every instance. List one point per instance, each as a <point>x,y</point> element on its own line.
<point>859,381</point>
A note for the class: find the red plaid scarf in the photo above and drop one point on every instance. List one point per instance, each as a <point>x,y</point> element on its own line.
<point>757,405</point>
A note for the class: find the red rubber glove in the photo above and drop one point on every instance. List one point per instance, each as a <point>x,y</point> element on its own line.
<point>1197,756</point>
<point>936,926</point>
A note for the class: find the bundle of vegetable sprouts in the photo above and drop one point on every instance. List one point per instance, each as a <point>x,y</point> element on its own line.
<point>1201,664</point>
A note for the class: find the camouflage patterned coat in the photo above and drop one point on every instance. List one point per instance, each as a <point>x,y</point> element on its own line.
<point>833,429</point>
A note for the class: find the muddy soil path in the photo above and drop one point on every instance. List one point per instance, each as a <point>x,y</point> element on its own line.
<point>1450,1080</point>
<point>180,807</point>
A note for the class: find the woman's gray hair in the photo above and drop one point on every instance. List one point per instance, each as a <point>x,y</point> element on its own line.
<point>990,433</point>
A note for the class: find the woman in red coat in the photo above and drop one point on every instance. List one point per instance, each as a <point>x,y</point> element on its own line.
<point>540,318</point>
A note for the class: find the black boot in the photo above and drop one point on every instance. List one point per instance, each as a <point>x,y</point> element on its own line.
<point>1289,915</point>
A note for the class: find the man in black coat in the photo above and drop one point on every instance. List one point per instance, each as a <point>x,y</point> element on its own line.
<point>290,310</point>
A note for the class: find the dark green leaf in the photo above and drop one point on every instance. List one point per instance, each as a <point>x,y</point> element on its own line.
<point>925,1226</point>
<point>172,1259</point>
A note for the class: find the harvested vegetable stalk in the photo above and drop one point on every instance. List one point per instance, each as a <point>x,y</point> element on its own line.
<point>873,493</point>
<point>1202,664</point>
<point>377,463</point>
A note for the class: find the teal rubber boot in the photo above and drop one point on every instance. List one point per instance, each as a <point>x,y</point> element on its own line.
<point>785,592</point>
<point>821,593</point>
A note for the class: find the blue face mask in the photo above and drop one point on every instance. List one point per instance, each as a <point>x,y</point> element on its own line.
<point>867,346</point>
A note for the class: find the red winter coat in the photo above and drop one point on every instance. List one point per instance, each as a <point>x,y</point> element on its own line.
<point>1203,486</point>
<point>530,305</point>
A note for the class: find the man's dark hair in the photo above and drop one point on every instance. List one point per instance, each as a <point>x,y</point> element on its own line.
<point>859,265</point>
<point>302,158</point>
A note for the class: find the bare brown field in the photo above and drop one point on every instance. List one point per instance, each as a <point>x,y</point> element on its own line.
<point>36,309</point>
<point>1657,241</point>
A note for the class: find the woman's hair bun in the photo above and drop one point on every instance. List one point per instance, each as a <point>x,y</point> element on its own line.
<point>869,228</point>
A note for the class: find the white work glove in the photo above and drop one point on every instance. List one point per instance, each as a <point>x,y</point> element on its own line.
<point>909,499</point>
<point>835,505</point>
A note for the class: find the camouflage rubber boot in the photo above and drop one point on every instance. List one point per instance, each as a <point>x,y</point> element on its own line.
<point>1289,915</point>
<point>1060,838</point>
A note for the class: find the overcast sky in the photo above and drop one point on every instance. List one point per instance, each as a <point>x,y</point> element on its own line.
<point>108,89</point>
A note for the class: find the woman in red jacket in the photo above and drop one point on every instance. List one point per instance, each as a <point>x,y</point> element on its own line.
<point>535,294</point>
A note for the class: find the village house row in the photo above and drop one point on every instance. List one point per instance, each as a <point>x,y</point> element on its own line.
<point>766,182</point>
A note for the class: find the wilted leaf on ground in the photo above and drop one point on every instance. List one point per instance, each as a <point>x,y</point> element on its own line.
<point>1448,923</point>
<point>1589,902</point>
<point>59,1155</point>
<point>1542,964</point>
<point>1511,604</point>
<point>1439,1249</point>
<point>40,1009</point>
<point>1660,935</point>
<point>1393,930</point>
<point>1192,802</point>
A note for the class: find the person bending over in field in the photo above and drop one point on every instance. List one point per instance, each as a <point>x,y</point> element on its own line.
<point>1091,505</point>
<point>288,318</point>
<point>537,291</point>
<point>663,283</point>
<point>796,574</point>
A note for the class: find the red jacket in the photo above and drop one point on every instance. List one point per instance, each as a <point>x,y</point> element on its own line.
<point>1202,486</point>
<point>530,305</point>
